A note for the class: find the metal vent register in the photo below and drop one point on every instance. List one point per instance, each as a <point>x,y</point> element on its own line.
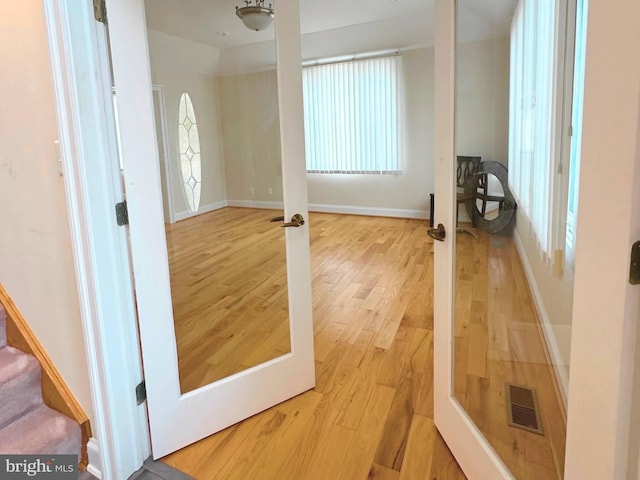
<point>522,409</point>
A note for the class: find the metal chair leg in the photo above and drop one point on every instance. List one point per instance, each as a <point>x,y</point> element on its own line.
<point>466,230</point>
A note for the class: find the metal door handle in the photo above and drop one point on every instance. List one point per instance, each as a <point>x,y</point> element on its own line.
<point>296,221</point>
<point>439,233</point>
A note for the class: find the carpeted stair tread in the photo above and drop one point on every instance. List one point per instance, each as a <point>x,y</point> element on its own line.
<point>41,431</point>
<point>20,389</point>
<point>3,327</point>
<point>27,426</point>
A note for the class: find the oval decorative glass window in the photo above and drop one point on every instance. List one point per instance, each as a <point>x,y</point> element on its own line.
<point>189,143</point>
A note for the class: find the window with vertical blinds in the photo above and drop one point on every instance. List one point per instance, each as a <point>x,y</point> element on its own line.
<point>352,116</point>
<point>531,121</point>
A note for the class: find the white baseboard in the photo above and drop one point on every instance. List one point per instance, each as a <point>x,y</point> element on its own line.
<point>370,211</point>
<point>560,369</point>
<point>95,460</point>
<point>256,204</point>
<point>346,209</point>
<point>203,209</point>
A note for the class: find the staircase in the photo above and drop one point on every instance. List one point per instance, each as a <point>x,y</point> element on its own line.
<point>27,425</point>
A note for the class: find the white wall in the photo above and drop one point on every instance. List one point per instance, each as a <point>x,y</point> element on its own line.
<point>36,262</point>
<point>179,65</point>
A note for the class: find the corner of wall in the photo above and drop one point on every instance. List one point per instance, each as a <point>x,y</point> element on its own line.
<point>95,460</point>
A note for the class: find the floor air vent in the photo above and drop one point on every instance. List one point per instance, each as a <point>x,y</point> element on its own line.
<point>522,409</point>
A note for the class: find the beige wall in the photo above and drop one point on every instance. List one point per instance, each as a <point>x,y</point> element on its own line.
<point>482,99</point>
<point>36,260</point>
<point>251,133</point>
<point>556,292</point>
<point>251,144</point>
<point>179,65</point>
<point>409,191</point>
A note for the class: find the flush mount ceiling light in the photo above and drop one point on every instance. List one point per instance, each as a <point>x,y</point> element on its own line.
<point>255,15</point>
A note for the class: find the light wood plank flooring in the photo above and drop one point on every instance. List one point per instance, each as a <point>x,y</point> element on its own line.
<point>498,341</point>
<point>371,412</point>
<point>229,292</point>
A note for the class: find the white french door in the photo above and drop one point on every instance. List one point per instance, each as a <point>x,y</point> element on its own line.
<point>466,442</point>
<point>177,419</point>
<point>605,306</point>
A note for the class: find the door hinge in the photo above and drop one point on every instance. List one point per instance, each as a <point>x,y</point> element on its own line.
<point>141,392</point>
<point>100,11</point>
<point>122,213</point>
<point>634,269</point>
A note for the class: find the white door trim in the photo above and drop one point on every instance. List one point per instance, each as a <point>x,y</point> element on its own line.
<point>168,178</point>
<point>606,307</point>
<point>102,263</point>
<point>92,184</point>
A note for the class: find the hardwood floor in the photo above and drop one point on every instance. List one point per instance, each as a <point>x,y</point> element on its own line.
<point>229,292</point>
<point>498,341</point>
<point>371,412</point>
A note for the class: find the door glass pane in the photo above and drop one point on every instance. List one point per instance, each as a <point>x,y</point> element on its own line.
<point>513,287</point>
<point>226,258</point>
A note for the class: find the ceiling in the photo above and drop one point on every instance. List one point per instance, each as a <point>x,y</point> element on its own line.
<point>328,27</point>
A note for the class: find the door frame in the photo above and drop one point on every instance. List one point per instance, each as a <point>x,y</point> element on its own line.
<point>599,440</point>
<point>168,172</point>
<point>81,77</point>
<point>78,47</point>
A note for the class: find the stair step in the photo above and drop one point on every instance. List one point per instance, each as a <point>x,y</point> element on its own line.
<point>41,431</point>
<point>3,327</point>
<point>20,389</point>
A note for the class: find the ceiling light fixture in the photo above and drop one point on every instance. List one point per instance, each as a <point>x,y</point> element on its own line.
<point>255,15</point>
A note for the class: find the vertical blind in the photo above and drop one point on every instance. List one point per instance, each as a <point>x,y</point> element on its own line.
<point>352,116</point>
<point>576,122</point>
<point>531,118</point>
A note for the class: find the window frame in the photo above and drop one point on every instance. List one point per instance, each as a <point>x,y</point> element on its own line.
<point>192,193</point>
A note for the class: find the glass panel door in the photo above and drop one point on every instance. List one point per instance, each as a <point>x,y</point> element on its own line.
<point>507,164</point>
<point>223,294</point>
<point>226,258</point>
